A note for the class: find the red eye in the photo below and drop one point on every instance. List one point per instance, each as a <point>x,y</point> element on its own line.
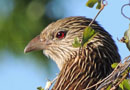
<point>60,34</point>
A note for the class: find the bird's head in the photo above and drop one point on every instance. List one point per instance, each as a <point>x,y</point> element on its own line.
<point>57,38</point>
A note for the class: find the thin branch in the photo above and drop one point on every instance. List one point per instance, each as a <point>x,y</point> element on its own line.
<point>49,83</point>
<point>121,67</point>
<point>123,12</point>
<point>115,86</point>
<point>102,7</point>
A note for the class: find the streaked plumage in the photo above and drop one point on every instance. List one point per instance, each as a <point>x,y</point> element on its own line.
<point>79,68</point>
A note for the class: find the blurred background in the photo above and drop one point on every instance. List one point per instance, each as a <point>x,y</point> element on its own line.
<point>21,20</point>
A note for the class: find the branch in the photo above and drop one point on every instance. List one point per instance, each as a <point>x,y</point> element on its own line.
<point>49,83</point>
<point>116,74</point>
<point>123,12</point>
<point>102,7</point>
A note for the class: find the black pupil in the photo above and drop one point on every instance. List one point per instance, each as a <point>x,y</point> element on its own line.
<point>60,34</point>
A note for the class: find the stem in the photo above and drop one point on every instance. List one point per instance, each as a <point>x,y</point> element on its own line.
<point>102,7</point>
<point>49,83</point>
<point>115,87</point>
<point>123,8</point>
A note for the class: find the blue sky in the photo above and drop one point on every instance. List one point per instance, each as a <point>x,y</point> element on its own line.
<point>19,75</point>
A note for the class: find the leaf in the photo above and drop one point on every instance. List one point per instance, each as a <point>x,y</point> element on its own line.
<point>40,88</point>
<point>114,65</point>
<point>121,86</point>
<point>91,3</point>
<point>126,84</point>
<point>98,6</point>
<point>87,35</point>
<point>76,42</point>
<point>109,87</point>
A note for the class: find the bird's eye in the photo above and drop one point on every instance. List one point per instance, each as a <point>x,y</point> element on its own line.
<point>61,34</point>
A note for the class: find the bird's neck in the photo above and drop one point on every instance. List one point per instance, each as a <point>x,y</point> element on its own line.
<point>62,57</point>
<point>81,72</point>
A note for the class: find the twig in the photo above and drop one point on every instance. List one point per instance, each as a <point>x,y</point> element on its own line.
<point>123,8</point>
<point>115,86</point>
<point>102,7</point>
<point>121,67</point>
<point>49,83</point>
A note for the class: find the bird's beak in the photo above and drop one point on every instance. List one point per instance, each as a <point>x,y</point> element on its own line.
<point>34,44</point>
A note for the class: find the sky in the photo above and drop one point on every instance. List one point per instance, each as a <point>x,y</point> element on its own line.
<point>19,75</point>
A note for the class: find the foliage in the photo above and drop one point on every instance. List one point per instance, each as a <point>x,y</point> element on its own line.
<point>25,20</point>
<point>125,84</point>
<point>114,65</point>
<point>76,42</point>
<point>22,23</point>
<point>40,88</point>
<point>88,34</point>
<point>91,3</point>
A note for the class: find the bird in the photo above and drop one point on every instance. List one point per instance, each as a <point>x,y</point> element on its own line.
<point>80,68</point>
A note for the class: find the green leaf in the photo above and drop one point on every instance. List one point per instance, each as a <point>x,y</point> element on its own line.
<point>126,84</point>
<point>91,3</point>
<point>109,87</point>
<point>40,88</point>
<point>114,65</point>
<point>76,42</point>
<point>121,86</point>
<point>88,34</point>
<point>98,6</point>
